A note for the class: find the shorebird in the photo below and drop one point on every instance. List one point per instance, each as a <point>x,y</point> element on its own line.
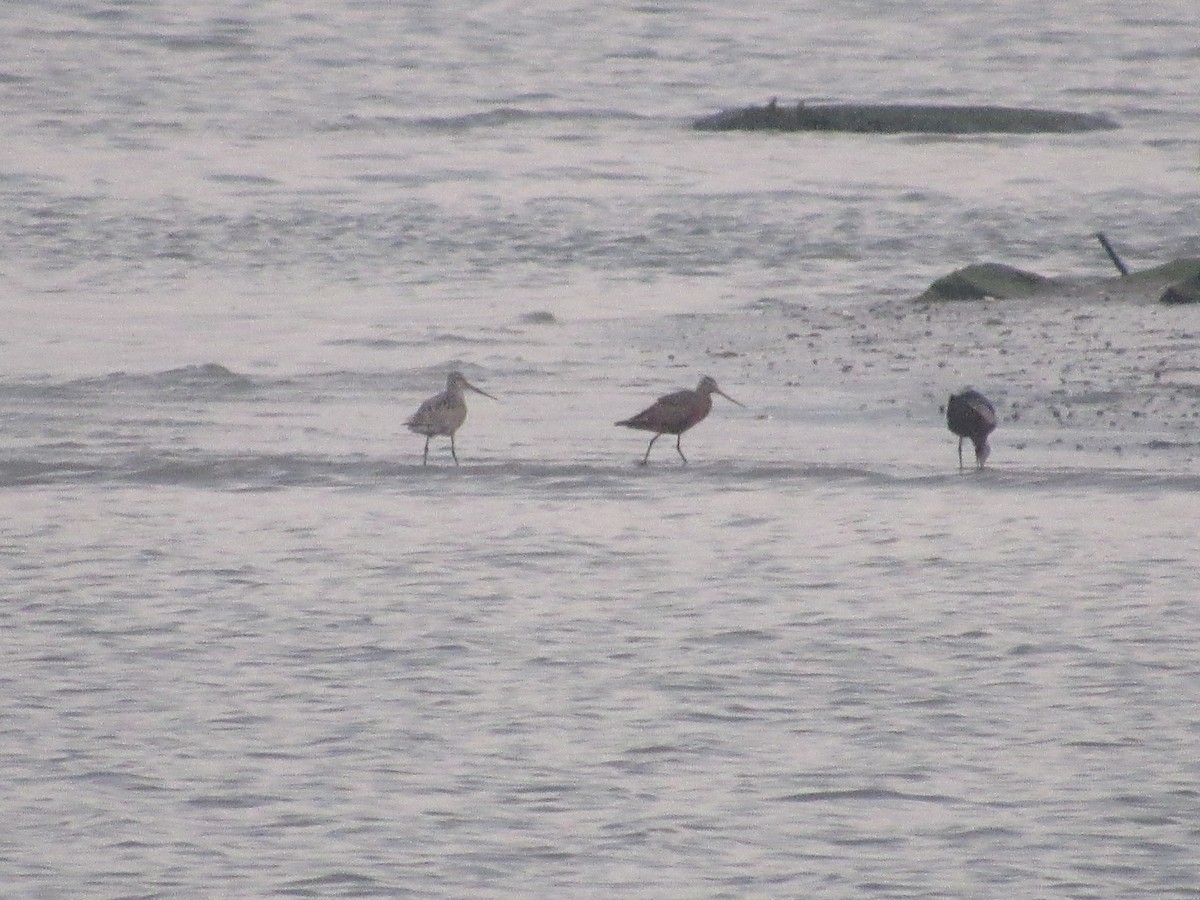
<point>443,414</point>
<point>969,414</point>
<point>676,413</point>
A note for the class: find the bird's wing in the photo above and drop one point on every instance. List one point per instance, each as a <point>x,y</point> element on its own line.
<point>427,413</point>
<point>671,410</point>
<point>982,407</point>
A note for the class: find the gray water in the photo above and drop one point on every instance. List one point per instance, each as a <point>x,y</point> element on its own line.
<point>254,648</point>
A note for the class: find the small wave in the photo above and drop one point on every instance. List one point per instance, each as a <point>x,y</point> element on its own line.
<point>203,378</point>
<point>1112,479</point>
<point>998,478</point>
<point>241,178</point>
<point>538,317</point>
<point>28,472</point>
<point>1159,444</point>
<point>499,117</point>
<point>737,636</point>
<point>206,381</point>
<point>73,463</point>
<point>234,801</point>
<point>190,374</point>
<point>372,343</point>
<point>338,882</point>
<point>205,373</point>
<point>871,795</point>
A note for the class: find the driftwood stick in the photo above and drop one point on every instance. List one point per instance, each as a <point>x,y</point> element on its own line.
<point>1112,254</point>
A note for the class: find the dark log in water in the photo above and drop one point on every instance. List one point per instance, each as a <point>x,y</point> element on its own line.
<point>986,280</point>
<point>900,118</point>
<point>1186,290</point>
<point>1112,254</point>
<point>1177,281</point>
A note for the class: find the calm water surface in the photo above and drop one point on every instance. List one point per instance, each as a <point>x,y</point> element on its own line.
<point>253,648</point>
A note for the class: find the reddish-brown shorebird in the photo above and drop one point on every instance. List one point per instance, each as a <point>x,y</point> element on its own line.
<point>676,413</point>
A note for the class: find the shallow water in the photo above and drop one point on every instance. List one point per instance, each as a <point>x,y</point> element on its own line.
<point>254,648</point>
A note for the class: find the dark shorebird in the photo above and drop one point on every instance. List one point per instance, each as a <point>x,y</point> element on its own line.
<point>676,413</point>
<point>969,414</point>
<point>443,414</point>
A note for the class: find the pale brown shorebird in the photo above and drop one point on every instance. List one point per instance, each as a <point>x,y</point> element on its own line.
<point>969,414</point>
<point>676,413</point>
<point>443,414</point>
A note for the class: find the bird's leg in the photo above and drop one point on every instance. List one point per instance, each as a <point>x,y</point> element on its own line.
<point>646,458</point>
<point>452,453</point>
<point>679,448</point>
<point>425,455</point>
<point>960,464</point>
